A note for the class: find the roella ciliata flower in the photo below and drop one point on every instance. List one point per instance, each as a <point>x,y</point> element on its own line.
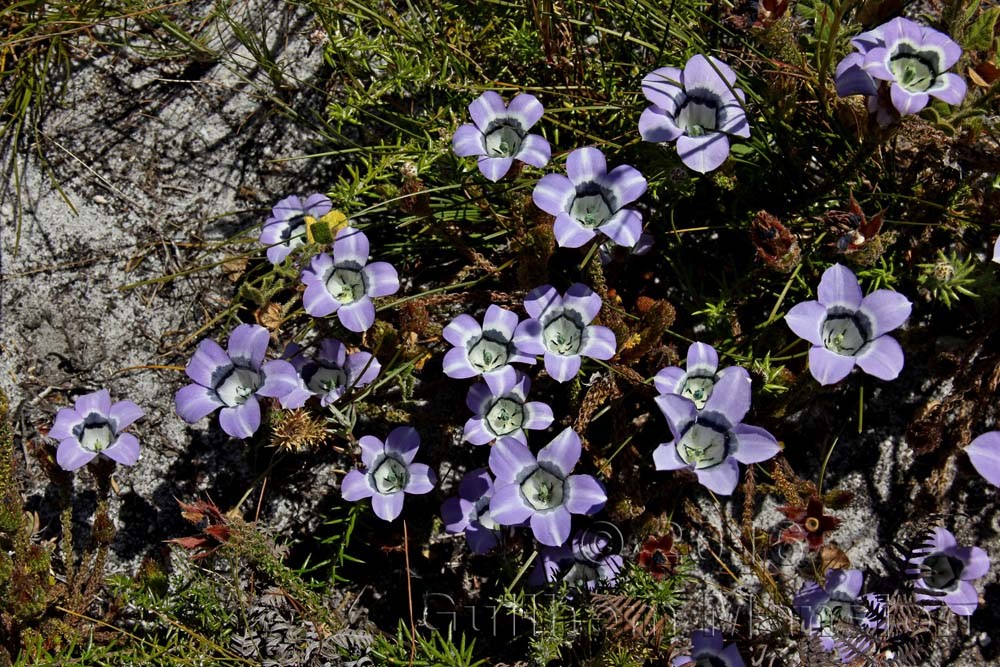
<point>501,409</point>
<point>499,135</point>
<point>285,229</point>
<point>95,425</point>
<point>945,573</point>
<point>482,349</point>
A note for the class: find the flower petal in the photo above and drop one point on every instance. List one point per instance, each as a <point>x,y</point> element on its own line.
<point>501,321</point>
<point>404,441</point>
<point>828,367</point>
<point>657,125</point>
<point>977,562</point>
<point>663,87</point>
<point>357,316</point>
<point>70,455</point>
<point>598,342</point>
<point>66,420</point>
<point>706,640</point>
<point>585,494</point>
<point>194,402</point>
<point>361,368</point>
<point>528,337</point>
<point>582,300</point>
<point>486,108</point>
<point>702,357</point>
<point>563,452</point>
<point>371,449</point>
<point>317,299</point>
<point>280,379</point>
<point>208,364</point>
<point>422,479</point>
<point>123,414</point>
<point>462,331</point>
<point>882,357</point>
<point>507,506</point>
<point>839,287</point>
<point>124,450</point>
<point>626,183</point>
<point>355,486</point>
<point>665,457</point>
<point>476,433</point>
<point>456,364</point>
<point>907,102</point>
<point>852,79</point>
<point>705,153</point>
<point>949,87</point>
<point>585,165</point>
<point>541,299</point>
<point>510,460</point>
<point>984,453</point>
<point>468,141</point>
<point>248,345</point>
<point>963,601</point>
<point>806,321</point>
<point>847,582</point>
<point>388,506</point>
<point>569,233</point>
<point>381,279</point>
<point>98,402</point>
<point>537,416</point>
<point>562,368</point>
<point>721,479</point>
<point>886,310</point>
<point>552,528</point>
<point>350,247</point>
<point>678,411</point>
<point>494,168</point>
<point>454,514</point>
<point>669,379</point>
<point>553,193</point>
<point>534,150</point>
<point>526,108</point>
<point>241,421</point>
<point>754,444</point>
<point>481,540</point>
<point>731,395</point>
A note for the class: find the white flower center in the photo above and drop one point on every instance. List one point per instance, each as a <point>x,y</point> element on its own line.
<point>941,571</point>
<point>703,445</point>
<point>590,207</point>
<point>486,354</point>
<point>97,435</point>
<point>542,489</point>
<point>481,514</point>
<point>346,285</point>
<point>844,334</point>
<point>698,388</point>
<point>294,233</point>
<point>390,476</point>
<point>505,416</point>
<point>699,114</point>
<point>562,336</point>
<point>503,139</point>
<point>914,70</point>
<point>325,380</point>
<point>238,386</point>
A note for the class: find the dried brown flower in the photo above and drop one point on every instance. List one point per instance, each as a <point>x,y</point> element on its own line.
<point>775,244</point>
<point>810,523</point>
<point>658,556</point>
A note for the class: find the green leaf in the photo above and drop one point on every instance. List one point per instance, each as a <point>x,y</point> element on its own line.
<point>980,34</point>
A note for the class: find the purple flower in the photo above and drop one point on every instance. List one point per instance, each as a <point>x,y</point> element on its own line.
<point>389,472</point>
<point>285,230</point>
<point>481,350</point>
<point>94,426</point>
<point>590,558</point>
<point>328,375</point>
<point>698,380</point>
<point>846,329</point>
<point>984,452</point>
<point>499,134</point>
<point>502,409</point>
<point>346,283</point>
<point>560,329</point>
<point>697,107</point>
<point>541,491</point>
<point>232,381</point>
<point>711,441</point>
<point>469,512</point>
<point>913,60</point>
<point>707,648</point>
<point>821,608</point>
<point>590,200</point>
<point>947,570</point>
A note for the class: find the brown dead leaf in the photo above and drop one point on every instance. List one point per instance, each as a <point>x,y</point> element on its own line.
<point>833,558</point>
